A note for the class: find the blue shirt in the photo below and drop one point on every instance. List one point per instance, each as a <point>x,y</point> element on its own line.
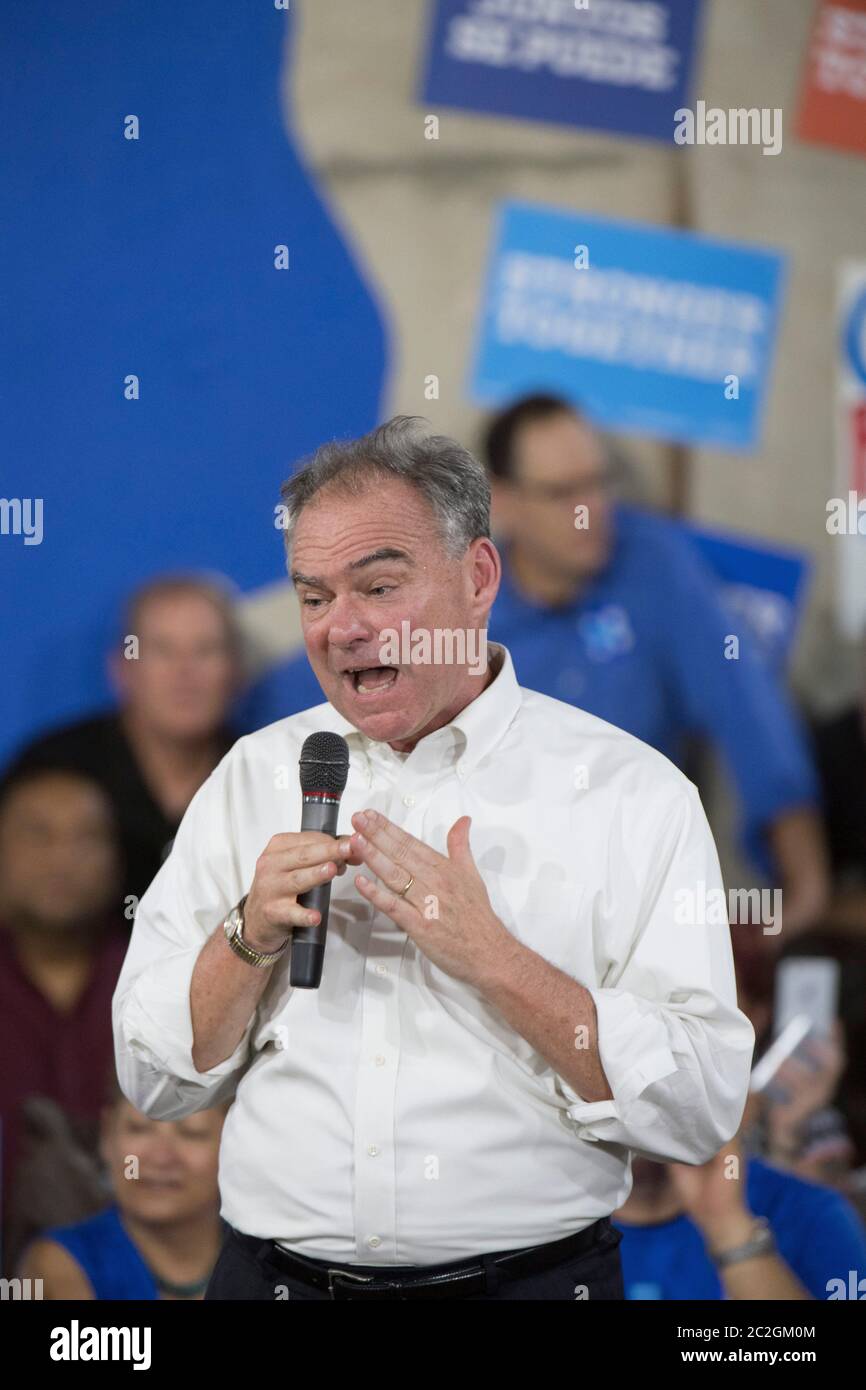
<point>817,1232</point>
<point>643,647</point>
<point>106,1253</point>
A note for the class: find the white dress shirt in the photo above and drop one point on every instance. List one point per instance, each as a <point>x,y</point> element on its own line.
<point>393,1116</point>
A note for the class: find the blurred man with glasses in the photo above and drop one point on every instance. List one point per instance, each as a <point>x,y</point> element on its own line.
<point>610,607</point>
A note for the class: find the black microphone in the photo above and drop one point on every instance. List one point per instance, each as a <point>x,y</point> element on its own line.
<point>324,769</point>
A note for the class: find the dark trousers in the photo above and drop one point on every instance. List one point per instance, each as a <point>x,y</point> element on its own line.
<point>595,1274</point>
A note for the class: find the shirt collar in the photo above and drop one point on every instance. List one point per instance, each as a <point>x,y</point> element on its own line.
<point>470,736</point>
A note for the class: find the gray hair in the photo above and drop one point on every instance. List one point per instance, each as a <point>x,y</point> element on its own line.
<point>447,475</point>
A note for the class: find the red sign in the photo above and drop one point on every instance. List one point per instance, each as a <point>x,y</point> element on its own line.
<point>833,99</point>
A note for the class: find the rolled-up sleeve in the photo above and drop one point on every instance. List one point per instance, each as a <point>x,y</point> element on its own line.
<point>190,896</point>
<point>676,1049</point>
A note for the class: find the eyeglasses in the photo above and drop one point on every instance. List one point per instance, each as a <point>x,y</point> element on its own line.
<point>565,492</point>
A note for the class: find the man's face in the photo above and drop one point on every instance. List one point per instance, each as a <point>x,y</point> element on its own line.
<point>184,676</point>
<point>558,467</point>
<point>363,565</point>
<point>58,855</point>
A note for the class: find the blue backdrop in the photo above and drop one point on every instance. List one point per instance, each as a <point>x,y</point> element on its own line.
<point>156,257</point>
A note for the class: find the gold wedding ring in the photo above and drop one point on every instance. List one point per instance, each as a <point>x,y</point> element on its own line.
<point>404,891</point>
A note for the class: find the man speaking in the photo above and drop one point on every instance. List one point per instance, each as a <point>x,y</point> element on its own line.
<point>513,998</point>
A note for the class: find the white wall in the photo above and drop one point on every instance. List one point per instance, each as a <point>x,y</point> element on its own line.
<point>419,213</point>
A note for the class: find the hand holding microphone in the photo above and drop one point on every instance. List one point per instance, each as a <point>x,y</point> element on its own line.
<point>291,888</point>
<point>289,866</point>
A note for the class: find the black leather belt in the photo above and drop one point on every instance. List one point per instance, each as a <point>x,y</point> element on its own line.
<point>455,1280</point>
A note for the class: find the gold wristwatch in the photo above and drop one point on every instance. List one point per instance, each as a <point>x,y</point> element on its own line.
<point>233,926</point>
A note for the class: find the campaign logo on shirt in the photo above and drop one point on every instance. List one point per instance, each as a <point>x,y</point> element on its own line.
<point>606,633</point>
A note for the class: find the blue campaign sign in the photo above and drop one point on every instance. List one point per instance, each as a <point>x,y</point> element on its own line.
<point>649,330</point>
<point>762,584</point>
<point>617,65</point>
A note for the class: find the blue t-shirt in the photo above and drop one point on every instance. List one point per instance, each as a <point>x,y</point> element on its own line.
<point>107,1255</point>
<point>643,647</point>
<point>818,1234</point>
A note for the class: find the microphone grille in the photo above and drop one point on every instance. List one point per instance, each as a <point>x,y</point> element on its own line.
<point>324,763</point>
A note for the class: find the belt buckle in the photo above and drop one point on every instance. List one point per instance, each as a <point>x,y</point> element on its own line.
<point>342,1274</point>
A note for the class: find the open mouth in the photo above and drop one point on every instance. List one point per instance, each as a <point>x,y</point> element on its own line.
<point>371,680</point>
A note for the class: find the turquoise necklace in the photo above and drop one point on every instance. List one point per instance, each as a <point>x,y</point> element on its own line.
<point>181,1290</point>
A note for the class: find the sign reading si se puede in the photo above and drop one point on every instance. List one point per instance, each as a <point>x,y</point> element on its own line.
<point>623,66</point>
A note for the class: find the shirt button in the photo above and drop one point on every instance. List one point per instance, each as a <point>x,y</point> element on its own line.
<point>374,1242</point>
<point>381,970</point>
<point>408,800</point>
<point>380,1060</point>
<point>372,1150</point>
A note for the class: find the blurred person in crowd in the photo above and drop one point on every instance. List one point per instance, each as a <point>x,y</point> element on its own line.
<point>175,682</point>
<point>760,1220</point>
<point>620,616</point>
<point>814,1115</point>
<point>58,1178</point>
<point>803,1130</point>
<point>794,1122</point>
<point>160,1236</point>
<point>737,1228</point>
<point>61,949</point>
<point>840,749</point>
<point>622,619</point>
